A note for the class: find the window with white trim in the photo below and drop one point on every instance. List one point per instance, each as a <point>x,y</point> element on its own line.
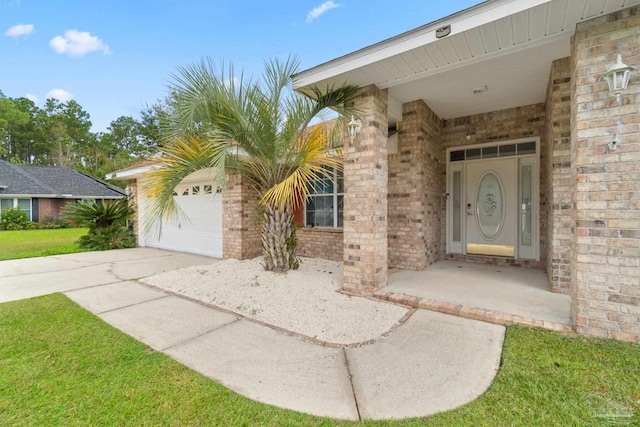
<point>325,206</point>
<point>23,204</point>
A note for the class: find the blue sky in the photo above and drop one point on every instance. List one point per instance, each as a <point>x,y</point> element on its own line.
<point>113,56</point>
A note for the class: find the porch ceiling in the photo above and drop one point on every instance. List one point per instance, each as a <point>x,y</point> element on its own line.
<point>505,45</point>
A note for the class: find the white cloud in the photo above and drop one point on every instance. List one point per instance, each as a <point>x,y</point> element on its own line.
<point>59,94</point>
<point>78,43</point>
<point>19,30</point>
<point>316,12</point>
<point>32,98</point>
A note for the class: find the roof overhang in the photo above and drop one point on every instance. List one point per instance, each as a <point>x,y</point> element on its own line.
<point>134,172</point>
<point>59,196</point>
<point>144,171</point>
<point>506,45</point>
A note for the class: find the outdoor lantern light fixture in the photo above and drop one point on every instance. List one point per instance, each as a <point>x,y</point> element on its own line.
<point>617,76</point>
<point>354,127</point>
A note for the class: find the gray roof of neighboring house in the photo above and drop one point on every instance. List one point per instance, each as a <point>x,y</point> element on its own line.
<point>52,182</point>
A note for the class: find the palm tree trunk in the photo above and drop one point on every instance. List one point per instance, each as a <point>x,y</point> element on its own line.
<point>277,248</point>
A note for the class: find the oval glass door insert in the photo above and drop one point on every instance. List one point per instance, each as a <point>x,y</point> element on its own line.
<point>490,206</point>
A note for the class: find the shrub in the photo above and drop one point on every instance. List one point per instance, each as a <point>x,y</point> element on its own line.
<point>107,224</point>
<point>114,236</point>
<point>13,219</point>
<point>32,226</point>
<point>51,222</point>
<point>13,226</point>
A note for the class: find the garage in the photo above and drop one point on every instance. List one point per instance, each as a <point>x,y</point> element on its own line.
<point>198,231</point>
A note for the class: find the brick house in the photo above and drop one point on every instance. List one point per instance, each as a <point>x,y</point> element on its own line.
<point>41,191</point>
<point>486,137</point>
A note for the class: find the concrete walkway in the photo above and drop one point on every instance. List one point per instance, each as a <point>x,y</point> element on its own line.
<point>432,363</point>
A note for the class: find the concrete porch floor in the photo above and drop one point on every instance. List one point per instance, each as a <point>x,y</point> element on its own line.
<point>498,294</point>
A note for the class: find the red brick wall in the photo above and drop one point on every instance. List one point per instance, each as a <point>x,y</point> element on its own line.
<point>241,220</point>
<point>365,198</point>
<point>132,200</point>
<point>605,260</point>
<point>50,207</point>
<point>416,190</point>
<point>324,243</point>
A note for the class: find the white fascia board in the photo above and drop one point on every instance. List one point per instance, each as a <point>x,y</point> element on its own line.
<point>28,196</point>
<point>132,173</point>
<point>67,196</point>
<point>55,196</point>
<point>475,16</point>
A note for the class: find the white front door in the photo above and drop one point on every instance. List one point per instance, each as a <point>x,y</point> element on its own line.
<point>492,199</point>
<point>492,206</point>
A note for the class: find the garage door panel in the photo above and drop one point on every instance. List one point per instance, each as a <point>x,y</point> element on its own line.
<point>199,233</point>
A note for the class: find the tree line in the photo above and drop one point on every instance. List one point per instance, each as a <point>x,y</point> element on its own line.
<point>59,134</point>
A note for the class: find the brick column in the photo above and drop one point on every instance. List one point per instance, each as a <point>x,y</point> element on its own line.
<point>558,182</point>
<point>132,200</point>
<point>416,190</point>
<point>240,219</point>
<point>605,281</point>
<point>365,198</point>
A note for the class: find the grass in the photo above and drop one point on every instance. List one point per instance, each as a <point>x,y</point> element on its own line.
<point>60,365</point>
<point>35,243</point>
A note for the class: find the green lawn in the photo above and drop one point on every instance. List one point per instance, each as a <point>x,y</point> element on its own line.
<point>34,243</point>
<point>62,366</point>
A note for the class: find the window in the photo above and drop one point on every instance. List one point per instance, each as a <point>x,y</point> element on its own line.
<point>326,204</point>
<point>6,204</point>
<point>23,204</point>
<point>493,151</point>
<point>208,189</point>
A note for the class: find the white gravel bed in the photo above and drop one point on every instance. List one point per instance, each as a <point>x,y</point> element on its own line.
<point>303,301</point>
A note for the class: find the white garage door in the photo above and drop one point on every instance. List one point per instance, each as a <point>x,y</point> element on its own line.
<point>201,231</point>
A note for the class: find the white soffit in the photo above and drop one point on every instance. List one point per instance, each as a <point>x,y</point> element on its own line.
<point>511,80</point>
<point>507,45</point>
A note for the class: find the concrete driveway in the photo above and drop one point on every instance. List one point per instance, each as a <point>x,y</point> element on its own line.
<point>432,363</point>
<point>32,277</point>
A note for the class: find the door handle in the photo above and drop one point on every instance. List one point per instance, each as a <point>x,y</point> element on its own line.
<point>469,210</point>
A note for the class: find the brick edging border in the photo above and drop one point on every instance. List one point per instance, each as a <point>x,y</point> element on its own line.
<point>460,310</point>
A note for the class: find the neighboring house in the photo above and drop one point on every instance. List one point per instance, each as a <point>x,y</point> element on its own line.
<point>486,136</point>
<point>40,191</point>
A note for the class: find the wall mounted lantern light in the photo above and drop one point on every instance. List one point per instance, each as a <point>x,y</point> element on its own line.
<point>617,77</point>
<point>354,127</point>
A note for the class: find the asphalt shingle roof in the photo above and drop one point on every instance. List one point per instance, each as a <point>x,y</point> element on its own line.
<point>53,182</point>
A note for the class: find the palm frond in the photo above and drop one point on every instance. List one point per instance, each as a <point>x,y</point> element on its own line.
<point>180,159</point>
<point>258,128</point>
<point>314,155</point>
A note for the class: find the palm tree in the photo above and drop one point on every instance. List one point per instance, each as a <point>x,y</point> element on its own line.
<point>259,129</point>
